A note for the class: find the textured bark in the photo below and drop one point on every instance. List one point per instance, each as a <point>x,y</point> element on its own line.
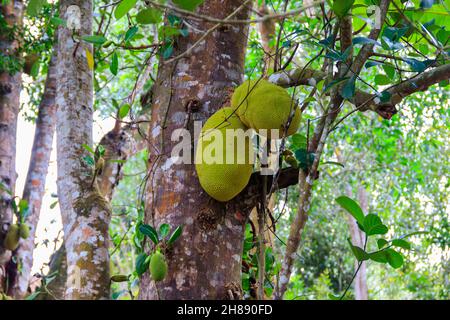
<point>85,213</point>
<point>20,265</point>
<point>205,263</point>
<point>10,86</point>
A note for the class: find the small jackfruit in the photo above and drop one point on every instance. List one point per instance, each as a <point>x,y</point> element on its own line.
<point>119,278</point>
<point>158,266</point>
<point>224,155</point>
<point>12,238</point>
<point>24,231</point>
<point>261,104</point>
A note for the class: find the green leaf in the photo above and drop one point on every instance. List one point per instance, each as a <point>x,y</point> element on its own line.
<point>385,96</point>
<point>164,230</point>
<point>299,141</point>
<point>416,65</point>
<point>401,243</point>
<point>175,234</point>
<point>114,66</point>
<point>342,7</point>
<point>33,296</point>
<point>348,90</point>
<point>334,83</point>
<point>334,163</point>
<point>394,258</point>
<point>34,7</point>
<point>88,148</point>
<point>123,8</point>
<point>352,207</point>
<point>99,40</point>
<point>381,243</point>
<point>150,232</point>
<point>359,253</point>
<point>167,52</point>
<point>333,297</point>
<point>373,225</point>
<point>304,158</point>
<point>57,21</point>
<point>124,110</point>
<point>130,33</point>
<point>379,256</point>
<point>89,161</point>
<point>364,40</point>
<point>53,205</point>
<point>141,264</point>
<point>188,4</point>
<point>149,16</point>
<point>390,70</point>
<point>23,209</point>
<point>34,72</point>
<point>381,80</point>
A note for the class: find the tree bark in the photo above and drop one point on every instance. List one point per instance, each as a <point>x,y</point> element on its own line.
<point>205,263</point>
<point>20,266</point>
<point>10,86</point>
<point>85,213</point>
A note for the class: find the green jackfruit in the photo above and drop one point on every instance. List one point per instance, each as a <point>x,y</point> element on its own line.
<point>24,231</point>
<point>158,266</point>
<point>224,163</point>
<point>264,105</point>
<point>11,241</point>
<point>119,278</point>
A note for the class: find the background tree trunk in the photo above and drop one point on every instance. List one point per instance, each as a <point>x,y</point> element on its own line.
<point>10,86</point>
<point>85,213</point>
<point>20,266</point>
<point>205,262</point>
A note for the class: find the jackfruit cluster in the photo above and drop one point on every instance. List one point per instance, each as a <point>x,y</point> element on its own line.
<point>256,104</point>
<point>262,105</point>
<point>223,163</point>
<point>15,232</point>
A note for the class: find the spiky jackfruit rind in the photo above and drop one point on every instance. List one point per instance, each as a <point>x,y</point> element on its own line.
<point>224,181</point>
<point>24,231</point>
<point>158,266</point>
<point>262,105</point>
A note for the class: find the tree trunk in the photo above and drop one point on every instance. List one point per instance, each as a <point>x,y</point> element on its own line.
<point>205,262</point>
<point>85,213</point>
<point>20,266</point>
<point>10,86</point>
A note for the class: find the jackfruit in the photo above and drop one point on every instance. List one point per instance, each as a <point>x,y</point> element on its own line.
<point>224,158</point>
<point>12,238</point>
<point>261,104</point>
<point>119,278</point>
<point>24,231</point>
<point>158,266</point>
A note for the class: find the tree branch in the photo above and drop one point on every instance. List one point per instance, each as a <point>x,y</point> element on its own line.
<point>365,101</point>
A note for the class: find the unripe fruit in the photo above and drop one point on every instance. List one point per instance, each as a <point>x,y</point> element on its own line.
<point>24,231</point>
<point>11,241</point>
<point>224,163</point>
<point>261,104</point>
<point>119,278</point>
<point>158,266</point>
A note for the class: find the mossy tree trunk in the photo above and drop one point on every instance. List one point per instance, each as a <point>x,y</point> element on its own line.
<point>10,86</point>
<point>20,265</point>
<point>85,213</point>
<point>205,262</point>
